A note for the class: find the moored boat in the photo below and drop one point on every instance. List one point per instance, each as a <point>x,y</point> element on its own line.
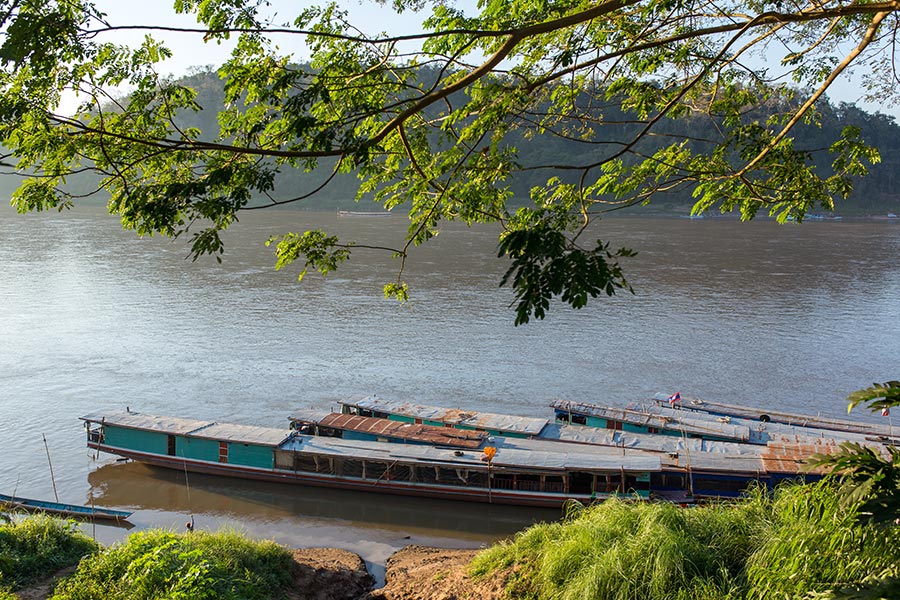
<point>64,510</point>
<point>721,409</point>
<point>691,468</point>
<point>501,473</point>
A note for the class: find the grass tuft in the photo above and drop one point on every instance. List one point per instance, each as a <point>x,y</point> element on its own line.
<point>38,546</point>
<point>796,543</point>
<point>162,565</point>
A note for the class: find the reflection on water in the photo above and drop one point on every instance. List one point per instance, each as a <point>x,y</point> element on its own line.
<point>144,488</point>
<point>370,524</point>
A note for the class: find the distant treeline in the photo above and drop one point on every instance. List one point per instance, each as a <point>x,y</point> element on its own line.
<point>874,194</point>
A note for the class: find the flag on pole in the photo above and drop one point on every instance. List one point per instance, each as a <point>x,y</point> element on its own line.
<point>885,411</point>
<point>674,398</point>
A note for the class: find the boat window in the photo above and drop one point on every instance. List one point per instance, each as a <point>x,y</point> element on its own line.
<point>579,419</point>
<point>613,424</point>
<point>426,474</point>
<point>715,485</point>
<point>449,476</point>
<point>375,470</point>
<point>503,481</point>
<point>667,481</point>
<point>581,483</point>
<point>554,483</point>
<point>305,462</point>
<point>528,483</point>
<point>284,459</point>
<point>478,479</point>
<point>401,472</point>
<point>171,445</point>
<point>349,468</point>
<point>633,483</point>
<point>609,483</point>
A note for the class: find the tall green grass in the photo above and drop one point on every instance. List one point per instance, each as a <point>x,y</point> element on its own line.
<point>797,542</point>
<point>37,547</point>
<point>162,565</point>
<point>813,544</point>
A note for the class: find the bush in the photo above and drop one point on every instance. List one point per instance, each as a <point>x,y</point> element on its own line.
<point>797,543</point>
<point>630,550</point>
<point>158,565</point>
<point>39,546</point>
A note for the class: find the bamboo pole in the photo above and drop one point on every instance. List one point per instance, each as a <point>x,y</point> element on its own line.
<point>49,462</point>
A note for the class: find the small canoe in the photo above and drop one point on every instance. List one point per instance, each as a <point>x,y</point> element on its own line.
<point>65,510</point>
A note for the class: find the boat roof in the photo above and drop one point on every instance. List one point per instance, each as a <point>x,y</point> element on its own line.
<point>685,423</point>
<point>509,455</point>
<point>644,441</point>
<point>246,434</point>
<point>452,416</point>
<point>764,432</point>
<point>428,434</point>
<point>753,413</point>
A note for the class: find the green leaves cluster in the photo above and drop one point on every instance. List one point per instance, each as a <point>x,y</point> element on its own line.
<point>432,123</point>
<point>34,547</point>
<point>160,564</point>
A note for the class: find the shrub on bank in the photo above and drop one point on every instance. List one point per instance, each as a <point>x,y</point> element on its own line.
<point>38,546</point>
<point>157,565</point>
<point>797,542</point>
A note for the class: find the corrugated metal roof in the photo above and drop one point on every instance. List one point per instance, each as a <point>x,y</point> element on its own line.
<point>246,434</point>
<point>643,441</point>
<point>453,416</point>
<point>428,434</point>
<point>580,458</point>
<point>763,433</point>
<point>754,414</point>
<point>687,424</point>
<point>133,420</point>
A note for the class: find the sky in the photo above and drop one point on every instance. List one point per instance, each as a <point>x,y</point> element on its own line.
<point>189,50</point>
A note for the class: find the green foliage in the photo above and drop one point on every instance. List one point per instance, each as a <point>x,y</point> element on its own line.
<point>38,546</point>
<point>545,264</point>
<point>436,123</point>
<point>320,251</point>
<point>813,543</point>
<point>620,549</point>
<point>868,479</point>
<point>164,565</point>
<point>879,397</point>
<point>800,542</point>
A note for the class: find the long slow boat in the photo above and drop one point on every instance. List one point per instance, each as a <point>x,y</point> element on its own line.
<point>690,468</point>
<point>77,511</point>
<point>672,420</point>
<point>721,409</point>
<point>489,471</point>
<point>376,445</point>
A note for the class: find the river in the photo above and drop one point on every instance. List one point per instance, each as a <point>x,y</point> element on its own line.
<point>92,318</point>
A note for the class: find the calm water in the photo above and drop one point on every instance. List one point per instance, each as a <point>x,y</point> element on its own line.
<point>93,319</point>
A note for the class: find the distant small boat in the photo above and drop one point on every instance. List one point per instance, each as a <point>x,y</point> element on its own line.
<point>362,213</point>
<point>64,510</point>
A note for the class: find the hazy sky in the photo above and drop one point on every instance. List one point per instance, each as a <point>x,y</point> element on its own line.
<point>189,49</point>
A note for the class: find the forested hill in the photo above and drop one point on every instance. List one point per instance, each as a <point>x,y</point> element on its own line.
<point>872,195</point>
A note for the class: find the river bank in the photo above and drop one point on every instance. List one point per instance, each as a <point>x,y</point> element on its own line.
<point>795,541</point>
<point>413,573</point>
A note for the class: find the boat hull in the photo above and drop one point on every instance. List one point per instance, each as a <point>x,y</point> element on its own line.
<point>495,496</point>
<point>63,510</point>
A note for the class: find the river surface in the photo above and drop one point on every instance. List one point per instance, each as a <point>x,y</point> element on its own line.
<point>95,319</point>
